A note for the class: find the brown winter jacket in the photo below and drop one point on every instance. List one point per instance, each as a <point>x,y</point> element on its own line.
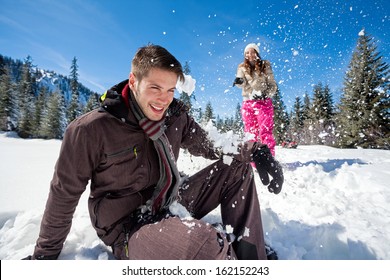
<point>107,148</point>
<point>255,85</point>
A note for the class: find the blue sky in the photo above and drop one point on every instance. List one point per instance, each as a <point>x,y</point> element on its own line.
<point>306,41</point>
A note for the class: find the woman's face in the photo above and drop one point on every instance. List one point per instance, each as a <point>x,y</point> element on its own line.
<point>251,55</point>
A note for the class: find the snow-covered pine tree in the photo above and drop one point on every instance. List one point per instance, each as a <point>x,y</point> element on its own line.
<point>8,118</point>
<point>364,109</point>
<point>197,114</point>
<point>320,116</point>
<point>40,106</point>
<point>2,66</point>
<point>219,124</point>
<point>92,103</point>
<point>208,113</point>
<point>26,101</point>
<point>238,125</point>
<point>228,124</point>
<point>53,125</point>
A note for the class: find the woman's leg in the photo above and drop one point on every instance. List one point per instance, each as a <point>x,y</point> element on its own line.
<point>249,118</point>
<point>265,120</point>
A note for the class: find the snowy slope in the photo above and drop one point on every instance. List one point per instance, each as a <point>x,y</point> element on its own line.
<point>335,204</point>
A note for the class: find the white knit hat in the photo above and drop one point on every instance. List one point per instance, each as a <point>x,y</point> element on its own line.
<point>252,46</point>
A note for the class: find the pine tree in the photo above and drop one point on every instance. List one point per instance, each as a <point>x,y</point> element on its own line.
<point>27,101</point>
<point>328,103</point>
<point>238,124</point>
<point>219,124</point>
<point>320,116</point>
<point>74,107</point>
<point>39,110</point>
<point>363,119</point>
<point>208,114</point>
<point>317,112</point>
<point>53,125</point>
<point>2,66</point>
<point>198,114</point>
<point>307,135</point>
<point>228,124</point>
<point>93,103</point>
<point>7,104</point>
<point>184,96</point>
<point>306,107</point>
<point>281,121</point>
<point>329,126</point>
<point>296,121</point>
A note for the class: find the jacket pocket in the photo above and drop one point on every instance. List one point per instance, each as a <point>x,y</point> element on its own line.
<point>123,154</point>
<point>124,167</point>
<point>107,212</point>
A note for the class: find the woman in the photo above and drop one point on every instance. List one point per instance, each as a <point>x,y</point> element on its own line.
<point>256,79</point>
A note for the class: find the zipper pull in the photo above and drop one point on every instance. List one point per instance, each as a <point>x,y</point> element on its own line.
<point>135,152</point>
<point>127,245</point>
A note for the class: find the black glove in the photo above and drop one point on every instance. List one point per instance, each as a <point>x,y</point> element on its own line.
<point>267,164</point>
<point>238,81</point>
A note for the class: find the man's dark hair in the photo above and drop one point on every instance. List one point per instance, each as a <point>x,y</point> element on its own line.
<point>154,56</point>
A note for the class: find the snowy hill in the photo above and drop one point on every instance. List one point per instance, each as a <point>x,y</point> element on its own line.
<point>48,79</point>
<point>335,204</point>
<point>56,82</point>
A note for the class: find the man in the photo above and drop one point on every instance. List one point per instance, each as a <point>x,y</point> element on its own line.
<point>128,149</point>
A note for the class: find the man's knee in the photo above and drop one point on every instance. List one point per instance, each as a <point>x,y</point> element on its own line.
<point>176,239</point>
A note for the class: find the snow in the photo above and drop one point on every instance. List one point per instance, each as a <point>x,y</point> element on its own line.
<point>335,203</point>
<point>187,86</point>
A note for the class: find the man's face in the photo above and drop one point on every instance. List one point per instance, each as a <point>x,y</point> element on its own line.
<point>154,92</point>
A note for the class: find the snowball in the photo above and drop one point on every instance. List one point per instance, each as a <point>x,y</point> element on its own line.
<point>188,86</point>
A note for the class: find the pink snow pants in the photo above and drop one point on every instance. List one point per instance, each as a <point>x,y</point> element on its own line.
<point>258,118</point>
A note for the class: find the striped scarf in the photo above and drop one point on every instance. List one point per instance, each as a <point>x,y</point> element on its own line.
<point>167,187</point>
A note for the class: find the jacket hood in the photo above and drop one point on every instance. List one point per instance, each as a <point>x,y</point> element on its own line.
<point>112,102</point>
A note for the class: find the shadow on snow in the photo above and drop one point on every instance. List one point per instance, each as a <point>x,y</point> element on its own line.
<point>294,240</point>
<point>328,166</point>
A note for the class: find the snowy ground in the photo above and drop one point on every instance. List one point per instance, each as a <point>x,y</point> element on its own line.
<point>335,204</point>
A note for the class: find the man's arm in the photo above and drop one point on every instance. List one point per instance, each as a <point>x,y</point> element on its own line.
<point>196,140</point>
<point>71,175</point>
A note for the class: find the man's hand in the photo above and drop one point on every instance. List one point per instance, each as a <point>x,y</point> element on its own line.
<point>267,165</point>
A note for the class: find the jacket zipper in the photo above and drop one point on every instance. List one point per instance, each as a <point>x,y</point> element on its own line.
<point>119,153</point>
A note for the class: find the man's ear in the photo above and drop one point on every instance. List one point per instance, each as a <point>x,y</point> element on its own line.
<point>132,81</point>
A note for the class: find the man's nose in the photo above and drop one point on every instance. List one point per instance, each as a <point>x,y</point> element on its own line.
<point>164,96</point>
